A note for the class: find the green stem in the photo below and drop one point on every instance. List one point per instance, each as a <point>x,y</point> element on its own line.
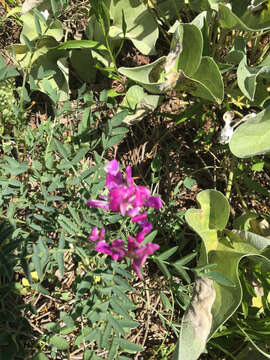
<point>237,188</point>
<point>230,180</point>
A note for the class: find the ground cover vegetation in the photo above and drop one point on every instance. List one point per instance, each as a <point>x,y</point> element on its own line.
<point>134,179</point>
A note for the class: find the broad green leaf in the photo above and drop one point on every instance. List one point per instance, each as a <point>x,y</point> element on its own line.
<point>189,38</point>
<point>212,216</point>
<point>252,137</point>
<point>247,78</point>
<point>245,19</point>
<point>225,249</point>
<point>237,52</point>
<point>206,83</point>
<point>29,28</point>
<point>141,27</point>
<point>53,63</point>
<point>83,64</point>
<point>200,5</point>
<point>149,76</point>
<point>139,104</point>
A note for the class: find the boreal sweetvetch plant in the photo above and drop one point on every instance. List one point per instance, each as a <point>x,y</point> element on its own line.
<point>45,188</point>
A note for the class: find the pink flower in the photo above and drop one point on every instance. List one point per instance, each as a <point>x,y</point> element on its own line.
<point>125,197</point>
<point>138,254</point>
<point>98,203</point>
<point>141,220</point>
<point>115,249</point>
<point>97,234</point>
<point>114,176</point>
<point>154,202</point>
<point>145,230</point>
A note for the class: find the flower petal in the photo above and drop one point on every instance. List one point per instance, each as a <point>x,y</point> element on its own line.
<point>94,236</point>
<point>154,202</point>
<point>112,167</point>
<point>129,178</point>
<point>103,247</point>
<point>98,204</point>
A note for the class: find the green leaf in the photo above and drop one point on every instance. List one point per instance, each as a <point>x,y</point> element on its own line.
<point>200,5</point>
<point>83,63</point>
<point>60,255</point>
<point>116,325</point>
<point>129,346</point>
<point>166,254</point>
<point>212,216</point>
<point>59,342</point>
<point>52,327</point>
<point>248,78</point>
<point>139,104</point>
<point>225,249</point>
<point>28,43</point>
<point>237,52</point>
<point>252,137</point>
<point>29,29</point>
<point>218,277</point>
<point>114,140</point>
<point>206,83</point>
<point>162,267</point>
<point>87,355</point>
<point>144,75</point>
<point>189,182</point>
<point>244,20</point>
<point>81,44</point>
<point>117,307</point>
<point>40,356</point>
<point>141,27</point>
<point>191,41</point>
<point>165,301</point>
<point>118,118</point>
<point>37,25</point>
<point>36,261</point>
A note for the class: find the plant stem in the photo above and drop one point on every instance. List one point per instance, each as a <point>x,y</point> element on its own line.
<point>230,180</point>
<point>237,188</point>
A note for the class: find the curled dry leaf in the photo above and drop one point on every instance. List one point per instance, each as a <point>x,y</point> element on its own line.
<point>199,314</point>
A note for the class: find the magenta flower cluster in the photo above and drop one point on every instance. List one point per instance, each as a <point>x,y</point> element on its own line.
<point>128,199</point>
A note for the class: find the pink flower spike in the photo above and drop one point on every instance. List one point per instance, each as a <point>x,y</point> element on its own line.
<point>103,247</point>
<point>154,202</point>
